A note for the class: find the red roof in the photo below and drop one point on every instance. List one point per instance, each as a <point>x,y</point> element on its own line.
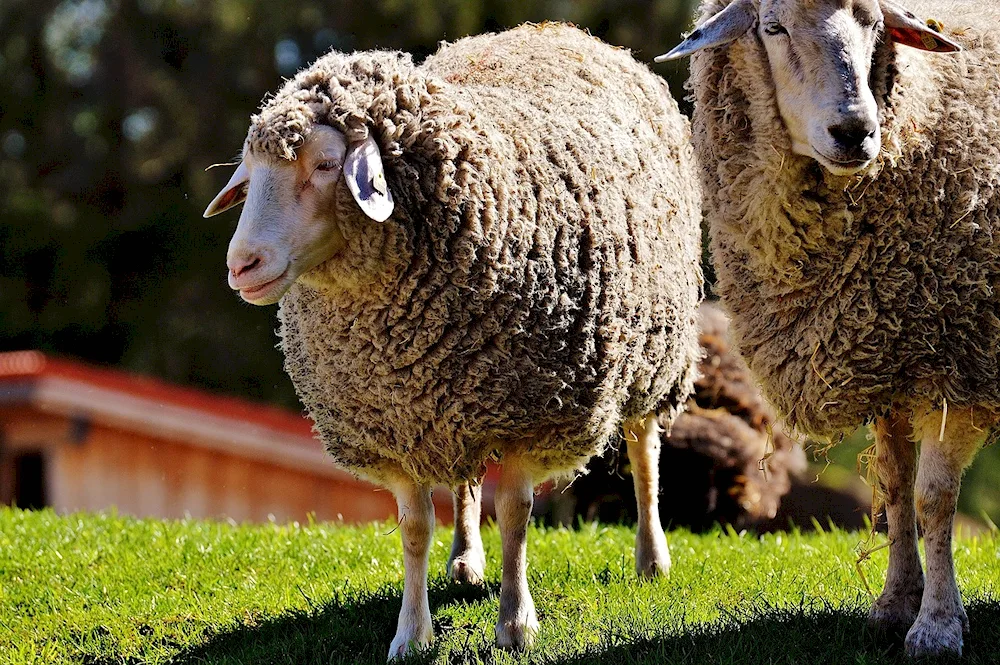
<point>140,404</point>
<point>35,364</point>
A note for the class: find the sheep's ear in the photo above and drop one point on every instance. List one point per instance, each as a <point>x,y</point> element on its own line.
<point>233,194</point>
<point>903,27</point>
<point>725,27</point>
<point>365,177</point>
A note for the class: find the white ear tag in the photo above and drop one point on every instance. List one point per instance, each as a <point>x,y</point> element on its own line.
<point>380,185</point>
<point>365,177</point>
<point>233,194</point>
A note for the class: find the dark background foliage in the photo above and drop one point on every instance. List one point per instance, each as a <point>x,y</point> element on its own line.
<point>110,111</point>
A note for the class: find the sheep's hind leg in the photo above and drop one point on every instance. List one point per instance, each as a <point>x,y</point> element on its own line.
<point>896,465</point>
<point>517,623</point>
<point>467,562</point>
<point>942,619</point>
<point>652,556</point>
<point>416,525</point>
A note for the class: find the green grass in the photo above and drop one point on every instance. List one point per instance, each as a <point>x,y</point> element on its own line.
<point>109,589</point>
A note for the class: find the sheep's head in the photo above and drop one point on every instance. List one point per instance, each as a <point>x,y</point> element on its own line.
<point>290,222</point>
<point>820,54</point>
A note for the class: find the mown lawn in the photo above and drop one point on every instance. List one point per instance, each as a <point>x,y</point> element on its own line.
<point>109,589</point>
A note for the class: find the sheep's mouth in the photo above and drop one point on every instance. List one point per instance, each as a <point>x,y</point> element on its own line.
<point>267,293</point>
<point>842,167</point>
<point>852,164</point>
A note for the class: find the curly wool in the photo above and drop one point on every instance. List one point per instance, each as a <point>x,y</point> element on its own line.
<point>849,295</point>
<point>537,283</point>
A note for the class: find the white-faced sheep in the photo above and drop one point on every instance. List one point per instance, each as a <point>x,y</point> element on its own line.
<point>491,255</point>
<point>852,188</point>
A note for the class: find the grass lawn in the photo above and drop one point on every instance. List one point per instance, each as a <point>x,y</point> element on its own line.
<point>109,589</point>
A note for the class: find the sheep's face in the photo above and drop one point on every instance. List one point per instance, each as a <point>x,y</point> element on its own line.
<point>820,54</point>
<point>292,213</point>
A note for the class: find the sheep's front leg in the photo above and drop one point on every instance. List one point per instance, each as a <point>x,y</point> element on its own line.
<point>416,525</point>
<point>896,466</point>
<point>652,556</point>
<point>467,562</point>
<point>942,619</point>
<point>517,623</point>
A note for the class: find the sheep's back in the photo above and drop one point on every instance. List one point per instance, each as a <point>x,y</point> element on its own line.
<point>604,175</point>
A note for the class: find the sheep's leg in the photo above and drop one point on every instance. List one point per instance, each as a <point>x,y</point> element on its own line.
<point>942,619</point>
<point>517,623</point>
<point>467,561</point>
<point>416,525</point>
<point>896,467</point>
<point>652,556</point>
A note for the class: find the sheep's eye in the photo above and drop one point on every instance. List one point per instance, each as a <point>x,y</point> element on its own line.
<point>327,165</point>
<point>775,29</point>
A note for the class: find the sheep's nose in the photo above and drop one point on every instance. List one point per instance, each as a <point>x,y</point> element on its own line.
<point>852,133</point>
<point>238,265</point>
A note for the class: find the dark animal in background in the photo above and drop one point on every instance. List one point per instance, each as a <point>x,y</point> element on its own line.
<point>724,461</point>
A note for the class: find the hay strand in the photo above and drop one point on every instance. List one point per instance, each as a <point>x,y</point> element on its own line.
<point>864,555</point>
<point>944,418</point>
<point>215,166</point>
<point>812,363</point>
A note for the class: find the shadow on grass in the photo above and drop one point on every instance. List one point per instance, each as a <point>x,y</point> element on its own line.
<point>358,630</point>
<point>347,629</point>
<point>793,637</point>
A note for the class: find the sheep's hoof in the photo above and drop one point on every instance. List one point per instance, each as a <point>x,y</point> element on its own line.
<point>934,637</point>
<point>895,612</point>
<point>652,559</point>
<point>467,568</point>
<point>657,567</point>
<point>517,634</point>
<point>411,638</point>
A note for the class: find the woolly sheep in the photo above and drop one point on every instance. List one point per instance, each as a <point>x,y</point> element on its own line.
<point>710,460</point>
<point>852,188</point>
<point>491,255</point>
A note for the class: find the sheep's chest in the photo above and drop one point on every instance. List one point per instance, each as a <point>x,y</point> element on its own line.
<point>878,318</point>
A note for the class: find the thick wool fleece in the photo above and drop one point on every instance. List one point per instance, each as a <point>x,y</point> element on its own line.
<point>538,281</point>
<point>850,294</point>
